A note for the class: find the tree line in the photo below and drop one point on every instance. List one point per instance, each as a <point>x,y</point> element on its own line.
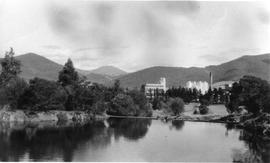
<point>215,96</point>
<point>70,92</point>
<point>73,92</point>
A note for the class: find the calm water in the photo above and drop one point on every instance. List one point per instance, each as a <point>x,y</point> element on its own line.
<point>131,140</point>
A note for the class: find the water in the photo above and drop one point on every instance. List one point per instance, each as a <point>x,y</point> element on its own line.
<point>131,140</point>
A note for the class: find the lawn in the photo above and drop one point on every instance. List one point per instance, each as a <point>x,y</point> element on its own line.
<point>218,109</point>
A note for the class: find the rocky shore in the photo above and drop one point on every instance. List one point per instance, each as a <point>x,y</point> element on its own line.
<point>258,124</point>
<point>19,116</point>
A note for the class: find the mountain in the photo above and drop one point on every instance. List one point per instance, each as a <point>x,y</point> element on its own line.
<point>98,78</point>
<point>258,65</point>
<point>109,71</point>
<point>34,65</point>
<point>175,76</point>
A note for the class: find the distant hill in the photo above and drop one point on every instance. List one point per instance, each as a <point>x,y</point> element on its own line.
<point>258,65</point>
<point>98,78</point>
<point>175,76</point>
<point>34,65</point>
<point>109,71</point>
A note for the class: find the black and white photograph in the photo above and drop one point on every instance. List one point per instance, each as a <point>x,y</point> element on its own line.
<point>135,81</point>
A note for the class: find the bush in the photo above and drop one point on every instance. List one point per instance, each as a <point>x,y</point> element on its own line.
<point>203,109</point>
<point>196,111</point>
<point>176,105</point>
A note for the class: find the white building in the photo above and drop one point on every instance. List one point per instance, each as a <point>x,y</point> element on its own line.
<point>222,84</point>
<point>199,85</point>
<point>151,87</point>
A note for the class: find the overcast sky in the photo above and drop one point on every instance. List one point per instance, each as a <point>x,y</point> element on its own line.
<point>135,35</point>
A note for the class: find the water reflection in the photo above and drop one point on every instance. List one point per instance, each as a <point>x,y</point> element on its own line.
<point>51,142</point>
<point>258,150</point>
<point>177,124</point>
<point>133,129</point>
<point>48,143</point>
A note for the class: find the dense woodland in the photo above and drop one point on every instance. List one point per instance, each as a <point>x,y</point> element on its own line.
<point>73,92</point>
<point>70,92</point>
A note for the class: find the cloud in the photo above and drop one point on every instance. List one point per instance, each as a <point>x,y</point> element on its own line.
<point>52,47</point>
<point>264,16</point>
<point>180,7</point>
<point>104,12</point>
<point>227,55</point>
<point>135,35</point>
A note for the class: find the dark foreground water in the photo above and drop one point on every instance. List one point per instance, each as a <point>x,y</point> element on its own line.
<point>131,140</point>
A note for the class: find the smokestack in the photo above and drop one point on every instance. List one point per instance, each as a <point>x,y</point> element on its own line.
<point>211,80</point>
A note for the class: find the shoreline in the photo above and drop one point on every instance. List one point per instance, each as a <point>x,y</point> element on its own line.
<point>259,124</point>
<point>83,116</point>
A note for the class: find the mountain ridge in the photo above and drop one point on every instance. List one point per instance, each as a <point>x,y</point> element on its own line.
<point>255,65</point>
<point>34,65</point>
<point>111,71</point>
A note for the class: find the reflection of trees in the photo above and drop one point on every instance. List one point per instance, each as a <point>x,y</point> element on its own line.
<point>132,129</point>
<point>258,149</point>
<point>47,143</point>
<point>178,124</point>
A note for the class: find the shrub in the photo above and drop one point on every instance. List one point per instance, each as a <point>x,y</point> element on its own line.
<point>62,117</point>
<point>203,109</point>
<point>176,105</point>
<point>196,111</point>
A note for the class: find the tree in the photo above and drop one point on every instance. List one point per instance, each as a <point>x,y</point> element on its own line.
<point>156,103</point>
<point>68,75</point>
<point>215,96</point>
<point>251,92</point>
<point>123,105</point>
<point>116,87</point>
<point>11,67</point>
<point>142,89</point>
<point>140,102</point>
<point>177,105</point>
<point>43,95</point>
<point>222,96</point>
<point>12,91</point>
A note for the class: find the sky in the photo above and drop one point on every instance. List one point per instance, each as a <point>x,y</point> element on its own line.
<point>133,35</point>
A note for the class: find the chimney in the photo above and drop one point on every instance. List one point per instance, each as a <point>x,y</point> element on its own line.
<point>211,80</point>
